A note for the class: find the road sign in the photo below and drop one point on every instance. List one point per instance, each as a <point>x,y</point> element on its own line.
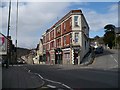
<point>3,45</point>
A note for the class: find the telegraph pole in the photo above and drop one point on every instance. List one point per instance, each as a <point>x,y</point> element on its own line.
<point>8,37</point>
<point>16,29</point>
<point>9,18</point>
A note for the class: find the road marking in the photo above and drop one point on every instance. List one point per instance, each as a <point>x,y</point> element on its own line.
<point>28,70</point>
<point>53,81</point>
<point>44,87</point>
<point>66,86</point>
<point>16,65</point>
<point>114,59</point>
<point>51,86</point>
<point>111,56</point>
<point>39,75</point>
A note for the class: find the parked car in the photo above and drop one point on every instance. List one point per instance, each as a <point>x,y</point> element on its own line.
<point>99,50</point>
<point>21,61</point>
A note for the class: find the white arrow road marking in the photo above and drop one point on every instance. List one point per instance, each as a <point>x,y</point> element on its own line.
<point>39,75</point>
<point>66,86</point>
<point>53,82</point>
<point>51,86</point>
<point>50,80</point>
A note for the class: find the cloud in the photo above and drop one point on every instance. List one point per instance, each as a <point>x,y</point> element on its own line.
<point>36,17</point>
<point>113,7</point>
<point>97,20</point>
<point>32,17</point>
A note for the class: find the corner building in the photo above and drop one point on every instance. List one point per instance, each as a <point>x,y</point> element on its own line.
<point>67,41</point>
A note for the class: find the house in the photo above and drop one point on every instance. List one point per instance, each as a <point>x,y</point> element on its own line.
<point>39,52</point>
<point>67,41</point>
<point>7,53</point>
<point>117,31</point>
<point>117,40</point>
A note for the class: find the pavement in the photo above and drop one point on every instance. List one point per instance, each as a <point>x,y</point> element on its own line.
<point>107,60</point>
<point>0,77</point>
<point>19,77</point>
<point>88,59</point>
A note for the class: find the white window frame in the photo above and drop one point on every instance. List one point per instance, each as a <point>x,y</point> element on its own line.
<point>76,37</point>
<point>76,21</point>
<point>64,40</point>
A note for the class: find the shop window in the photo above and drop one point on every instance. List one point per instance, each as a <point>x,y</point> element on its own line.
<point>67,57</point>
<point>52,56</point>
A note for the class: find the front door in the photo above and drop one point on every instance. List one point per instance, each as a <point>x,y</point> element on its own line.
<point>75,58</point>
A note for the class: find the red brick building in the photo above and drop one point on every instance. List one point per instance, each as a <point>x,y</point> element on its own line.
<point>67,41</point>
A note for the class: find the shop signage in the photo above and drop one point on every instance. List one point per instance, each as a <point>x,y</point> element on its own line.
<point>58,52</point>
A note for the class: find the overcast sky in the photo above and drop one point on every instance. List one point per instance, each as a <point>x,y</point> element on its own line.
<point>36,17</point>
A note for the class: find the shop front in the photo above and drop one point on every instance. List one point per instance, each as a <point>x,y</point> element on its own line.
<point>44,55</point>
<point>58,56</point>
<point>66,56</point>
<point>47,57</point>
<point>52,56</point>
<point>76,55</point>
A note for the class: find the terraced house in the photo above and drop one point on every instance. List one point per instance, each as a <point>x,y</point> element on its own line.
<point>67,41</point>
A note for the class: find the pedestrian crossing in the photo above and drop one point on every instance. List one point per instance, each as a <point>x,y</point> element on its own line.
<point>16,65</point>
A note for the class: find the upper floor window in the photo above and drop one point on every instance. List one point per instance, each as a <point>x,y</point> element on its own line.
<point>76,37</point>
<point>58,30</point>
<point>64,26</point>
<point>52,34</point>
<point>70,37</point>
<point>43,39</point>
<point>64,40</point>
<point>52,44</point>
<point>76,21</point>
<point>70,22</point>
<point>47,37</point>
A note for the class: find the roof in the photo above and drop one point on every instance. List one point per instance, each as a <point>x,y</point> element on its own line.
<point>64,17</point>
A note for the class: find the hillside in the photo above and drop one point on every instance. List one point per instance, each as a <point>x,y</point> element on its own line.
<point>22,52</point>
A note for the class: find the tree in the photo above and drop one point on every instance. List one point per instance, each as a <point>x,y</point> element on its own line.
<point>109,36</point>
<point>109,28</point>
